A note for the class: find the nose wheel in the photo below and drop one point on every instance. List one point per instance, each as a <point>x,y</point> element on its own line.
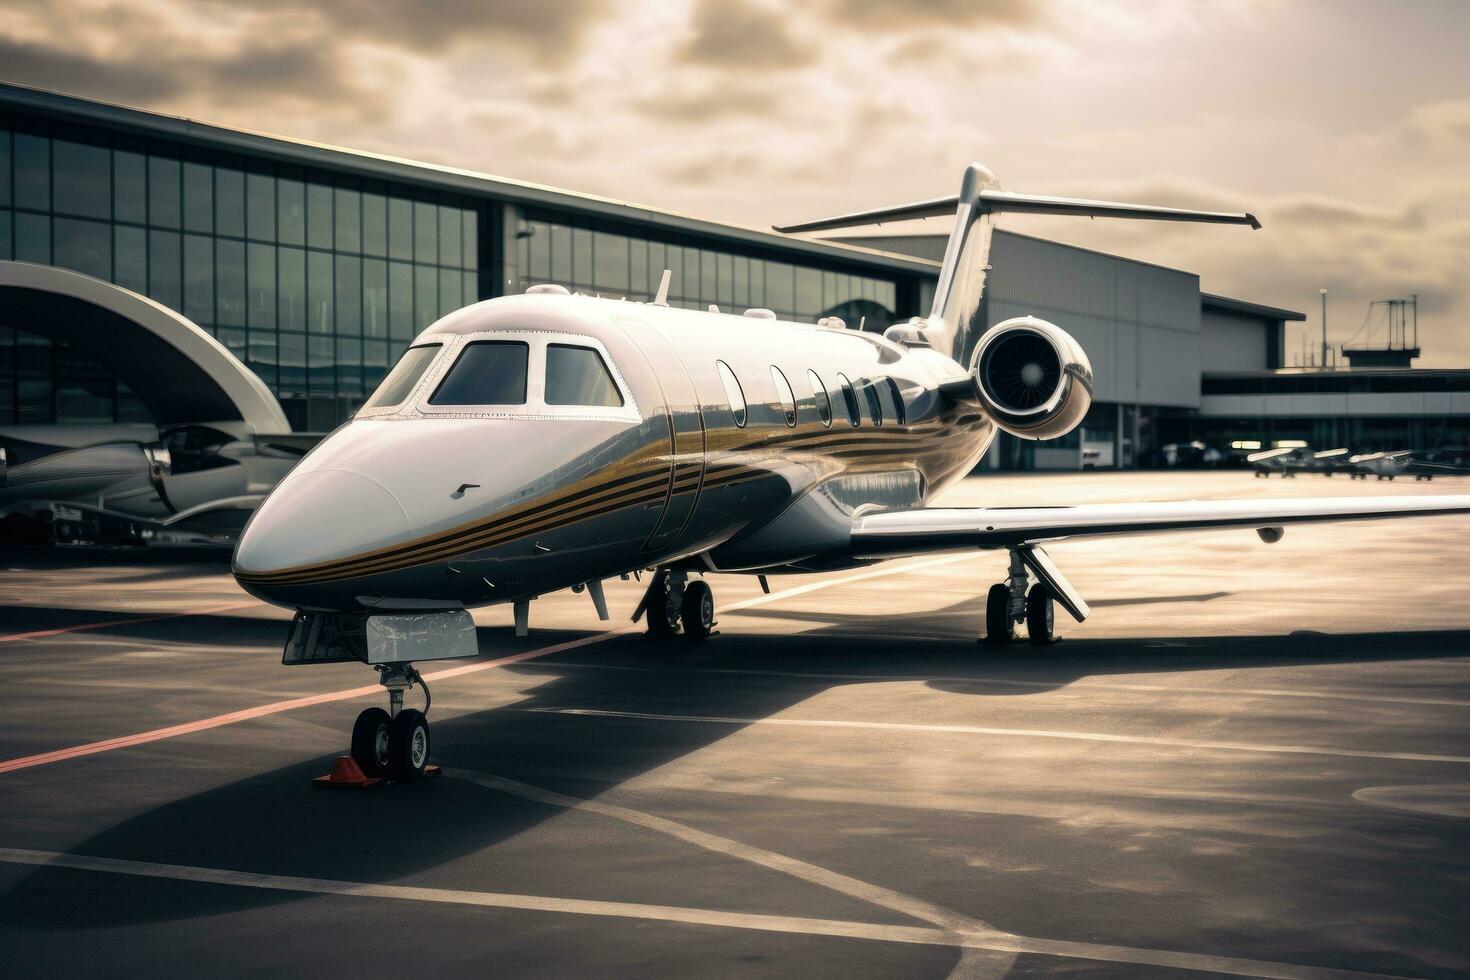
<point>394,744</point>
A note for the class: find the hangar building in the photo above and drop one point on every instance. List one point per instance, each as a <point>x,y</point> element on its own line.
<point>315,266</point>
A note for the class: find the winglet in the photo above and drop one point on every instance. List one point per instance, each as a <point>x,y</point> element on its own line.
<point>662,299</point>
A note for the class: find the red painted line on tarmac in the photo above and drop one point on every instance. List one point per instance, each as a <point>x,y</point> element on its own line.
<point>234,717</point>
<point>42,634</point>
<point>276,707</point>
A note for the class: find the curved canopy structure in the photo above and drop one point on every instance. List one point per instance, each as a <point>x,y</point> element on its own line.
<point>179,372</point>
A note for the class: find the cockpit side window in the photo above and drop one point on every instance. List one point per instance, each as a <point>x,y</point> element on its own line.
<point>487,372</point>
<point>405,374</point>
<point>785,394</point>
<point>578,376</point>
<point>733,393</point>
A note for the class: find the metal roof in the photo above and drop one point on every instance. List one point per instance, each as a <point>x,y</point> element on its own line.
<point>1297,372</point>
<point>1215,302</point>
<point>307,153</point>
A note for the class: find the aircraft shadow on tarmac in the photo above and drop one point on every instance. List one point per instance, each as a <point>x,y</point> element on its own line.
<point>273,823</point>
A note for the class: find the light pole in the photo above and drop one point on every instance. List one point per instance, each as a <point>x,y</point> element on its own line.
<point>1324,326</point>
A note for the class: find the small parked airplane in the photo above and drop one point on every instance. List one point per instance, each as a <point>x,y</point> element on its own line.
<point>1387,465</point>
<point>134,485</point>
<point>1289,461</point>
<point>532,443</point>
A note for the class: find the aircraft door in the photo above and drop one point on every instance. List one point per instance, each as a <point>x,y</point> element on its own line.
<point>687,440</point>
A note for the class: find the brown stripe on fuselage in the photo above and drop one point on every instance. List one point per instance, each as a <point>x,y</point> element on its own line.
<point>872,448</point>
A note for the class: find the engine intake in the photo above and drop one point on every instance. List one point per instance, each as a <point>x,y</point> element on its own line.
<point>1034,378</point>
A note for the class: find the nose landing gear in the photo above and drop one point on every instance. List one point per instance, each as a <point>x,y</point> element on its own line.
<point>672,600</point>
<point>394,744</point>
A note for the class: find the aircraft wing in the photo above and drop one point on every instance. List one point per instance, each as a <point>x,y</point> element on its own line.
<point>889,534</point>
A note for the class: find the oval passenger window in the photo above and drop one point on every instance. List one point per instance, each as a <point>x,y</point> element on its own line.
<point>900,411</point>
<point>823,400</point>
<point>785,394</point>
<point>733,394</point>
<point>875,409</point>
<point>849,399</point>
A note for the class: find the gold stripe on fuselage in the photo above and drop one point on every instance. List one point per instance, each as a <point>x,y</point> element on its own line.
<point>615,488</point>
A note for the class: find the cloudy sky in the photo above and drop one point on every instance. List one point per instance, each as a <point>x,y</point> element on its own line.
<point>1344,124</point>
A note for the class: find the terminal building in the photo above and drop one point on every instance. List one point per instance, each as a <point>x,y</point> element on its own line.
<point>315,266</point>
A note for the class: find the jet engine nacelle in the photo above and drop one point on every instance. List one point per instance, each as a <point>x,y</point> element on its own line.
<point>1034,379</point>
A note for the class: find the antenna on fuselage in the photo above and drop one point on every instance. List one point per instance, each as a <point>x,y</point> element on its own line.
<point>662,299</point>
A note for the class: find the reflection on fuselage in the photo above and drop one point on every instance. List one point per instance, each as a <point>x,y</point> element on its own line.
<point>549,440</point>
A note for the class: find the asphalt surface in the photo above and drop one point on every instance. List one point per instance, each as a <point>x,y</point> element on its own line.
<point>1252,760</point>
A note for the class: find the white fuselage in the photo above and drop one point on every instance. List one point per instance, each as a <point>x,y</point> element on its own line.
<point>425,505</point>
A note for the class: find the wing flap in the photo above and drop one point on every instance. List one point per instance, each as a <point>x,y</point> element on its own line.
<point>892,533</point>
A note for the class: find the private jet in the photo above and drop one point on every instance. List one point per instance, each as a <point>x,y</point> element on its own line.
<point>1387,465</point>
<point>130,485</point>
<point>549,440</point>
<point>1291,460</point>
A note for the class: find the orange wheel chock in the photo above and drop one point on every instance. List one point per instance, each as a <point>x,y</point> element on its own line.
<point>345,774</point>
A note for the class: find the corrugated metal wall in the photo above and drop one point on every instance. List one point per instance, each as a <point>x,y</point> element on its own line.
<point>1140,324</point>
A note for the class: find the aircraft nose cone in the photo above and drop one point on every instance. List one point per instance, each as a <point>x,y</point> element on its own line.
<point>317,517</point>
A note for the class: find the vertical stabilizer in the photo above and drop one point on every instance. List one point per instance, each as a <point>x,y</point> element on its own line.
<point>961,284</point>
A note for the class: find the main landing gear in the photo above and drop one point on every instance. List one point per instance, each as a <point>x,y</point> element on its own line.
<point>394,744</point>
<point>1008,604</point>
<point>673,600</point>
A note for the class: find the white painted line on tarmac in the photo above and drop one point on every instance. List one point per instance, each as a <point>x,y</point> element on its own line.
<point>894,726</point>
<point>1077,686</point>
<point>813,874</point>
<point>797,925</point>
<point>292,704</point>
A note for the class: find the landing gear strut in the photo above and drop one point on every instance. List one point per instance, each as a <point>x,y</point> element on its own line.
<point>394,743</point>
<point>673,600</point>
<point>1009,604</point>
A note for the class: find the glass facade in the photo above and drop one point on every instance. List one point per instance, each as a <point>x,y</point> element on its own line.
<point>609,264</point>
<point>317,281</point>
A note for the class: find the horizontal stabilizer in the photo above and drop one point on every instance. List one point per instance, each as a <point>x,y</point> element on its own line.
<point>1266,454</point>
<point>893,533</point>
<point>1000,202</point>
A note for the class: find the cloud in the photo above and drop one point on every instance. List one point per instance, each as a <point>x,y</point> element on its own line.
<point>552,28</point>
<point>711,102</point>
<point>743,34</point>
<point>260,69</point>
<point>907,14</point>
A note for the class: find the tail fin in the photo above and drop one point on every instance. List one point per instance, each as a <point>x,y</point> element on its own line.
<point>967,256</point>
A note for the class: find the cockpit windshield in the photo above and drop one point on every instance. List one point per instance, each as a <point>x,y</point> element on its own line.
<point>487,372</point>
<point>405,374</point>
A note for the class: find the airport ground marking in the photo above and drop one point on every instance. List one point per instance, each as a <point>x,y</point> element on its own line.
<point>1068,685</point>
<point>82,627</point>
<point>812,874</point>
<point>311,700</point>
<point>894,726</point>
<point>795,925</point>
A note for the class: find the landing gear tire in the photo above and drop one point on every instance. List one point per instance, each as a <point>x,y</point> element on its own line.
<point>408,745</point>
<point>1040,616</point>
<point>663,615</point>
<point>998,628</point>
<point>370,738</point>
<point>698,610</point>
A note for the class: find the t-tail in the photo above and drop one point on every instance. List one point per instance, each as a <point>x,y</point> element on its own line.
<point>951,321</point>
